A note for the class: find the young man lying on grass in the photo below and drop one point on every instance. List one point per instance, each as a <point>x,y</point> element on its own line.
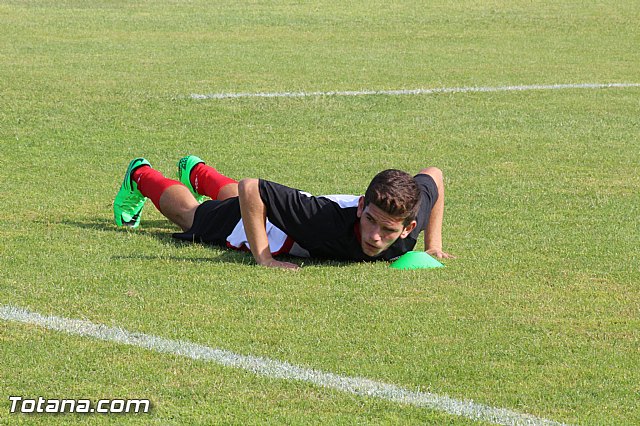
<point>270,219</point>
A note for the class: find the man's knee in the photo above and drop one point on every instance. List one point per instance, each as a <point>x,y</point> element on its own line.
<point>178,205</point>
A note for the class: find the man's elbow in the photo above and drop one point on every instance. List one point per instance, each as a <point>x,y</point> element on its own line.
<point>434,172</point>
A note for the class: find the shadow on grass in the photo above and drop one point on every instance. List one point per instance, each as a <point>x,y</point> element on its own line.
<point>163,230</point>
<point>160,229</point>
<point>225,257</point>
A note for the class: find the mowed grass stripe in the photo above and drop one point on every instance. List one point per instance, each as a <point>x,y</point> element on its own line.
<point>276,369</point>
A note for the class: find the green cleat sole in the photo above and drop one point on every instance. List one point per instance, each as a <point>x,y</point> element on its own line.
<point>128,204</point>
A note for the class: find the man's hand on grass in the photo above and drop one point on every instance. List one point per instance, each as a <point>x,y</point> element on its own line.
<point>439,254</point>
<point>272,263</point>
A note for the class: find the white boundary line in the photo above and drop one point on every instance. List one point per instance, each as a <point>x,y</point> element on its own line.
<point>276,369</point>
<point>414,91</point>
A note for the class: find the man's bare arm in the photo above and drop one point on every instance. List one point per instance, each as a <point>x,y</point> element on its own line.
<point>433,232</point>
<point>254,216</point>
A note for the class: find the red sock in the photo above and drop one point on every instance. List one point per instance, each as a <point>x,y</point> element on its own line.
<point>207,181</point>
<point>151,183</point>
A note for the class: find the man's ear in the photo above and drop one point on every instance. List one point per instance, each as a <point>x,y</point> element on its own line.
<point>360,207</point>
<point>407,229</point>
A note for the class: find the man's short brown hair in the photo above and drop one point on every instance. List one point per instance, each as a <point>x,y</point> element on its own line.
<point>396,193</point>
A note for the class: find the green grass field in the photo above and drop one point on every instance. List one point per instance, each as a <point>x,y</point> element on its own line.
<point>540,312</point>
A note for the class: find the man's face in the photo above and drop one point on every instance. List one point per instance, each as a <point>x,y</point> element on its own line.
<point>378,229</point>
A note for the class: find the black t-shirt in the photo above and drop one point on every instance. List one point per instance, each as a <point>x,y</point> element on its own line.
<point>331,230</point>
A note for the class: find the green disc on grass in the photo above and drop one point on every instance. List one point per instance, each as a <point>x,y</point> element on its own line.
<point>416,260</point>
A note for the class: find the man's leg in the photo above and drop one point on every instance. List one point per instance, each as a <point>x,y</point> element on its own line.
<point>178,205</point>
<point>204,180</point>
<point>170,197</point>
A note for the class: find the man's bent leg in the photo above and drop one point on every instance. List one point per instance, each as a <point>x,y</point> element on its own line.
<point>204,180</point>
<point>210,182</point>
<point>230,190</point>
<point>179,206</point>
<point>170,197</point>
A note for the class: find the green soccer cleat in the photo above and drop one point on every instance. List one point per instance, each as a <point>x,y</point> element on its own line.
<point>185,165</point>
<point>129,202</point>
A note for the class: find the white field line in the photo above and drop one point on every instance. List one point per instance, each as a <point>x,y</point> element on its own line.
<point>275,369</point>
<point>413,91</point>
